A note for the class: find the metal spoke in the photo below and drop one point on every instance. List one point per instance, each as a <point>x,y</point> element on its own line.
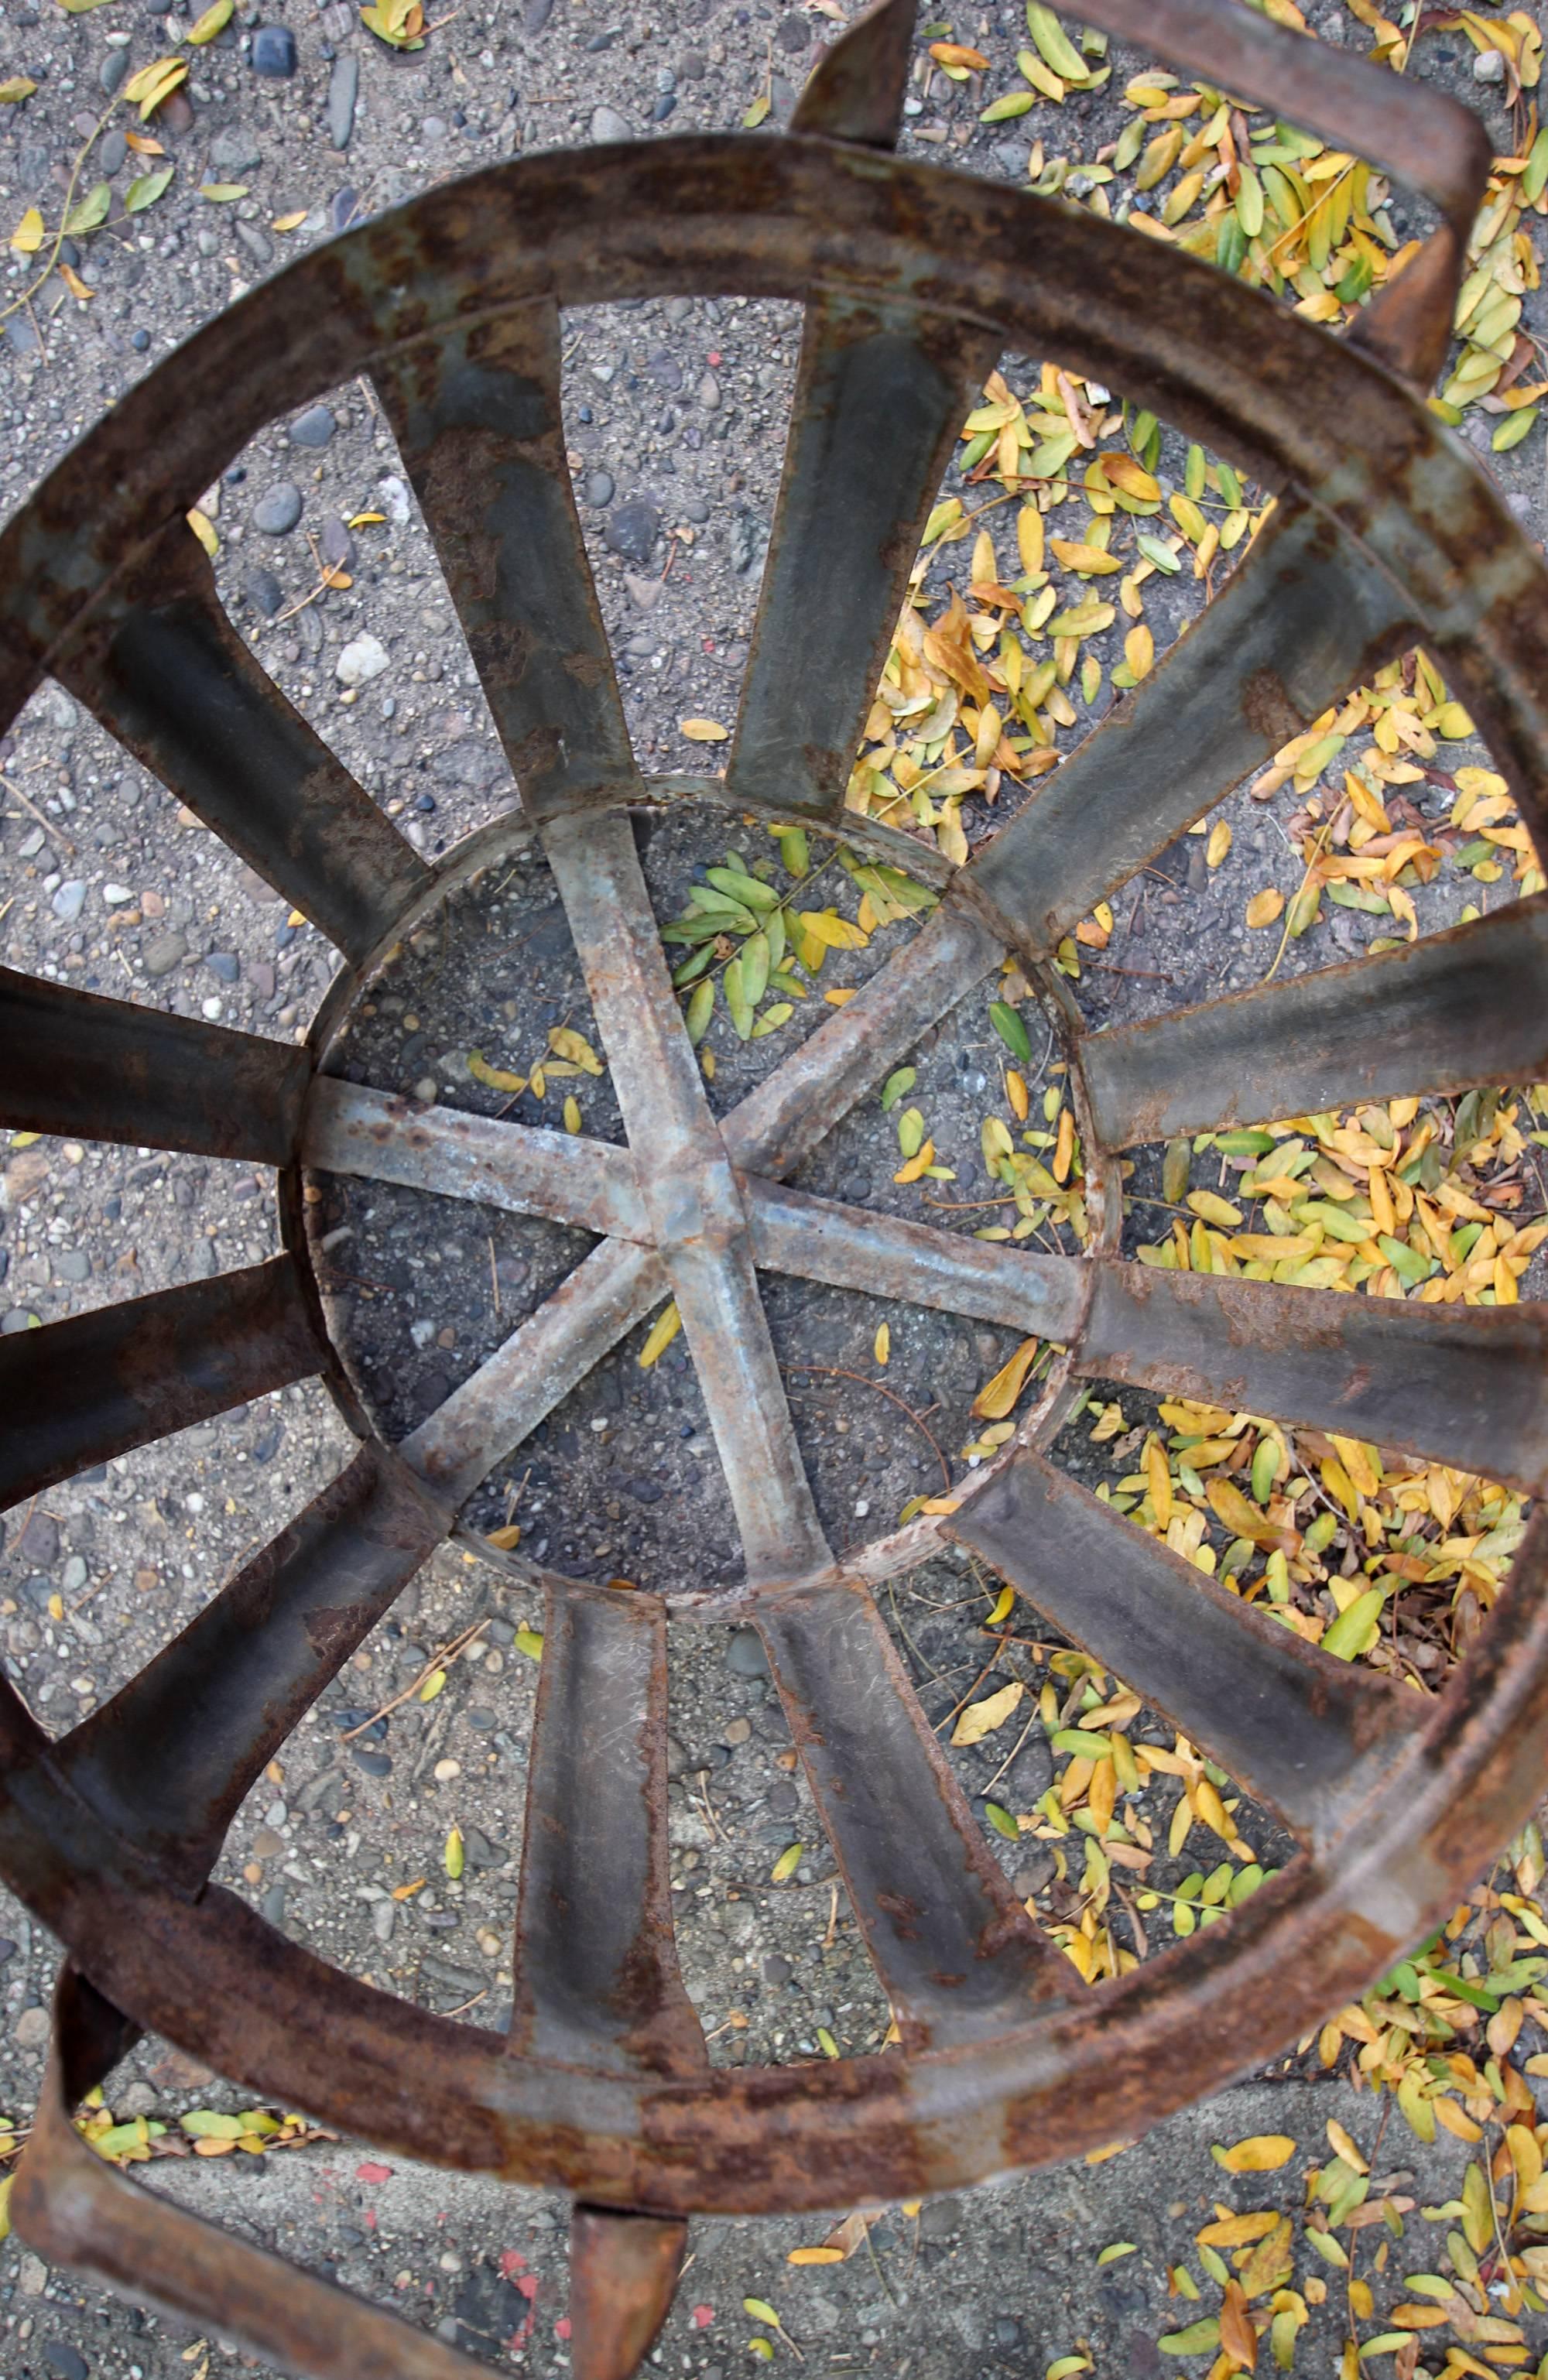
<point>478,420</point>
<point>1305,616</point>
<point>957,1954</point>
<point>535,1368</point>
<point>163,670</point>
<point>1445,1383</point>
<point>1300,1730</point>
<point>1443,1014</point>
<point>525,1170</point>
<point>77,1391</point>
<point>853,1247</point>
<point>880,392</point>
<point>71,1062</point>
<point>689,1191</point>
<point>167,1762</point>
<point>596,1965</point>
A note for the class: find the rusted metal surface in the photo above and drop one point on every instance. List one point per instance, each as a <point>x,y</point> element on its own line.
<point>622,2271</point>
<point>1304,1732</point>
<point>477,418</point>
<point>596,1964</point>
<point>690,1193</point>
<point>163,669</point>
<point>77,1392</point>
<point>1305,616</point>
<point>852,509</point>
<point>71,1062</point>
<point>1446,1013</point>
<point>955,1951</point>
<point>1455,1384</point>
<point>911,276</point>
<point>349,1129</point>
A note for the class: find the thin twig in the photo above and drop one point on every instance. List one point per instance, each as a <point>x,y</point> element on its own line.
<point>448,1652</point>
<point>33,286</point>
<point>836,1372</point>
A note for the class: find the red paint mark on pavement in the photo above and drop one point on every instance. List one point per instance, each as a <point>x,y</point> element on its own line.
<point>511,2261</point>
<point>561,2328</point>
<point>373,2173</point>
<point>702,2317</point>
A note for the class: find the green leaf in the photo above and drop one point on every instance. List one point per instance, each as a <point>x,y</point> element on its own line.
<point>92,210</point>
<point>1154,550</point>
<point>910,1132</point>
<point>147,190</point>
<point>1002,1822</point>
<point>1536,173</point>
<point>1199,2338</point>
<point>1014,103</point>
<point>739,886</point>
<point>778,1014</point>
<point>700,1008</point>
<point>1514,428</point>
<point>902,1080</point>
<point>528,1641</point>
<point>736,999</point>
<point>16,88</point>
<point>203,2124</point>
<point>754,964</point>
<point>761,2310</point>
<point>1354,1631</point>
<point>1081,1739</point>
<point>1119,2248</point>
<point>1057,49</point>
<point>1007,1024</point>
<point>1173,1170</point>
<point>794,849</point>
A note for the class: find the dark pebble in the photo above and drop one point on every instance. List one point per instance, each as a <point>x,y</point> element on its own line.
<point>39,1541</point>
<point>535,14</point>
<point>440,1921</point>
<point>176,113</point>
<point>278,509</point>
<point>745,1656</point>
<point>111,73</point>
<point>273,1905</point>
<point>274,51</point>
<point>265,592</point>
<point>645,1491</point>
<point>479,1717</point>
<point>66,2359</point>
<point>794,33</point>
<point>1034,1871</point>
<point>778,1970</point>
<point>1007,2332</point>
<point>375,1764</point>
<point>855,1187</point>
<point>664,107</point>
<point>480,1851</point>
<point>343,207</point>
<point>114,146</point>
<point>598,490</point>
<point>313,427</point>
<point>632,530</point>
<point>139,341</point>
<point>7,1948</point>
<point>226,965</point>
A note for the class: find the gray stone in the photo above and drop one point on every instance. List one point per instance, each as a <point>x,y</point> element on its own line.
<point>278,509</point>
<point>708,391</point>
<point>30,2029</point>
<point>778,1970</point>
<point>344,86</point>
<point>338,546</point>
<point>632,530</point>
<point>163,954</point>
<point>474,766</point>
<point>67,2361</point>
<point>71,898</point>
<point>609,124</point>
<point>235,152</point>
<point>599,488</point>
<point>19,1318</point>
<point>363,657</point>
<point>312,428</point>
<point>256,240</point>
<point>264,591</point>
<point>39,1543</point>
<point>224,966</point>
<point>111,73</point>
<point>73,1264</point>
<point>643,593</point>
<point>745,1656</point>
<point>274,51</point>
<point>114,146</point>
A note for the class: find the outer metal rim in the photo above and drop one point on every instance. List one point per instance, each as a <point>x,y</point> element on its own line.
<point>1274,394</point>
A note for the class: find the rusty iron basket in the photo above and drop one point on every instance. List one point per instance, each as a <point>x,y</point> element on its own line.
<point>913,279</point>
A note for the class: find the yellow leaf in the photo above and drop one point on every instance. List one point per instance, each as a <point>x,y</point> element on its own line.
<point>504,1540</point>
<point>495,1078</point>
<point>1265,907</point>
<point>566,1044</point>
<point>1218,844</point>
<point>1264,2152</point>
<point>1160,1481</point>
<point>572,1115</point>
<point>1028,538</point>
<point>454,1853</point>
<point>664,1329</point>
<point>153,83</point>
<point>433,1685</point>
<point>883,1348</point>
<point>704,731</point>
<point>997,1397</point>
<point>15,88</point>
<point>203,529</point>
<point>786,1864</point>
<point>1214,1209</point>
<point>981,1719</point>
<point>815,2256</point>
<point>1004,1604</point>
<point>214,20</point>
<point>1139,650</point>
<point>28,236</point>
<point>1089,560</point>
<point>74,283</point>
<point>221,194</point>
<point>1344,2146</point>
<point>289,222</point>
<point>364,521</point>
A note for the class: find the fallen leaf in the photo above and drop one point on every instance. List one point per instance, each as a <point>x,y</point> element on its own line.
<point>981,1719</point>
<point>997,1397</point>
<point>1264,2152</point>
<point>704,731</point>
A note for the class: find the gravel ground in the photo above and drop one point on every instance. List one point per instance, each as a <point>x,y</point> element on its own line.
<point>674,411</point>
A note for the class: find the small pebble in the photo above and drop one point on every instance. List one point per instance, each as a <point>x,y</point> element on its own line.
<point>745,1656</point>
<point>313,427</point>
<point>278,509</point>
<point>234,152</point>
<point>598,490</point>
<point>71,898</point>
<point>264,591</point>
<point>344,84</point>
<point>139,341</point>
<point>225,965</point>
<point>274,51</point>
<point>363,657</point>
<point>64,2360</point>
<point>632,530</point>
<point>609,124</point>
<point>111,73</point>
<point>114,145</point>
